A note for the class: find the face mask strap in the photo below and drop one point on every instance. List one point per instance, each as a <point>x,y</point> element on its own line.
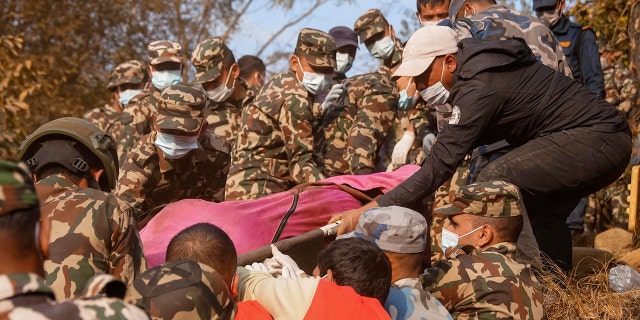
<point>472,231</point>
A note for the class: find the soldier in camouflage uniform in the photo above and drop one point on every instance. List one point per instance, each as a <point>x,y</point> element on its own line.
<point>481,278</point>
<point>165,68</point>
<point>183,289</point>
<point>608,207</point>
<point>402,234</point>
<point>75,167</point>
<point>228,94</point>
<point>354,137</point>
<point>24,234</point>
<point>274,149</point>
<point>127,81</point>
<point>378,36</point>
<point>180,159</point>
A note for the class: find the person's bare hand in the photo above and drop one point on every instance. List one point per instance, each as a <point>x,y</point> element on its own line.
<point>349,220</point>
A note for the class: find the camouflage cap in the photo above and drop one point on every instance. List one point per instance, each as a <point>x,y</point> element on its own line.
<point>132,71</point>
<point>208,59</point>
<point>492,199</point>
<point>183,289</point>
<point>180,109</point>
<point>16,188</point>
<point>369,24</point>
<point>393,229</point>
<point>454,7</point>
<point>161,51</point>
<point>317,47</point>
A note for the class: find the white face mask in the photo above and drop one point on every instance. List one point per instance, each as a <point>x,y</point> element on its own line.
<point>436,93</point>
<point>165,78</point>
<point>175,147</point>
<point>549,18</point>
<point>127,95</point>
<point>314,82</point>
<point>450,239</point>
<point>343,62</point>
<point>383,48</point>
<point>429,23</point>
<point>221,92</point>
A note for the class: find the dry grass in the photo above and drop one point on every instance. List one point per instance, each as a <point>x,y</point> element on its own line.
<point>567,297</point>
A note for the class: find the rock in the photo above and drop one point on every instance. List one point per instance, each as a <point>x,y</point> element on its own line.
<point>616,241</point>
<point>589,261</point>
<point>632,258</point>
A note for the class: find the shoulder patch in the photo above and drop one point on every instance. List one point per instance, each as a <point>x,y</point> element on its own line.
<point>455,115</point>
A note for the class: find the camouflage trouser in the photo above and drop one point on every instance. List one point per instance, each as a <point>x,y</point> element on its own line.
<point>608,207</point>
<point>442,197</point>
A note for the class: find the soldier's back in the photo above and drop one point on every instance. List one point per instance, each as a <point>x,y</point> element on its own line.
<point>92,232</point>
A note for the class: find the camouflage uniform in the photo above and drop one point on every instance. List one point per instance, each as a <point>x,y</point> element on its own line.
<point>500,22</point>
<point>354,138</point>
<point>274,149</point>
<point>137,117</point>
<point>223,117</point>
<point>108,118</point>
<point>149,178</point>
<point>422,118</point>
<point>487,284</point>
<point>402,231</point>
<point>607,208</point>
<point>26,296</point>
<point>369,24</point>
<point>183,289</point>
<point>91,232</point>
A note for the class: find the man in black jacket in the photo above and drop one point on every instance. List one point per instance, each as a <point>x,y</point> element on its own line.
<point>568,141</point>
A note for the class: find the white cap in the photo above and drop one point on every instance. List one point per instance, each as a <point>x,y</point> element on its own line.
<point>423,47</point>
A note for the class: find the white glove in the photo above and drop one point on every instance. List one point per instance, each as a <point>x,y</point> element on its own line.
<point>331,100</point>
<point>289,267</point>
<point>401,150</point>
<point>427,142</point>
<point>257,266</point>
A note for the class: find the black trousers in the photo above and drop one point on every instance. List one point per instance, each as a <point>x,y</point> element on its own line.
<point>553,172</point>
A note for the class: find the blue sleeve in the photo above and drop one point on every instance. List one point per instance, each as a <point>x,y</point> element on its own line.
<point>590,68</point>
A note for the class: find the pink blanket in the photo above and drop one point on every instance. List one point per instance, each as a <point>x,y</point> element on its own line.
<point>253,223</point>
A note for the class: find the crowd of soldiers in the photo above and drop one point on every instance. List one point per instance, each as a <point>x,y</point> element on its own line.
<point>502,110</point>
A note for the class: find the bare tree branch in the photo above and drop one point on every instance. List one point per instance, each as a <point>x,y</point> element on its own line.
<point>234,22</point>
<point>290,24</point>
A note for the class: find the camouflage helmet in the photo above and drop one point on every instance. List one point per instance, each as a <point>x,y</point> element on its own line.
<point>317,47</point>
<point>183,289</point>
<point>16,188</point>
<point>392,229</point>
<point>54,142</point>
<point>161,51</point>
<point>180,110</point>
<point>132,71</point>
<point>208,58</point>
<point>369,24</point>
<point>491,199</point>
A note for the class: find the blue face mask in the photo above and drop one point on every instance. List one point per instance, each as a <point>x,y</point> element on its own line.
<point>127,95</point>
<point>175,147</point>
<point>405,102</point>
<point>383,48</point>
<point>165,78</point>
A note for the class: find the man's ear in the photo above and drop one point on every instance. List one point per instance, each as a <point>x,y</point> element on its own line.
<point>486,236</point>
<point>330,276</point>
<point>450,62</point>
<point>294,63</point>
<point>235,71</point>
<point>392,32</point>
<point>97,174</point>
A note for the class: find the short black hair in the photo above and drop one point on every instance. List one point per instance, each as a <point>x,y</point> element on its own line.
<point>207,244</point>
<point>431,3</point>
<point>507,229</point>
<point>249,64</point>
<point>360,264</point>
<point>21,225</point>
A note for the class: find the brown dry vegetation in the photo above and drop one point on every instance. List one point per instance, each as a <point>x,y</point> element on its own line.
<point>567,297</point>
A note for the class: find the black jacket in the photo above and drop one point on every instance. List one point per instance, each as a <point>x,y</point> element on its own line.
<point>501,92</point>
